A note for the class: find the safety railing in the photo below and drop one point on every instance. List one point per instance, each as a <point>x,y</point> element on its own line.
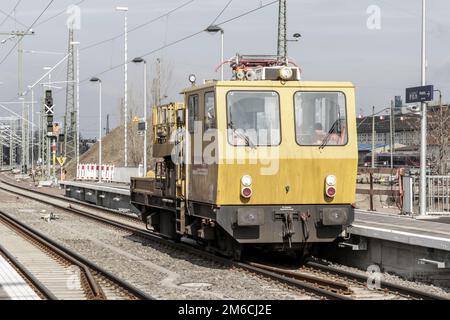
<point>438,195</point>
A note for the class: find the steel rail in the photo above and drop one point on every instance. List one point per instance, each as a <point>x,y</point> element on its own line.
<point>76,259</point>
<point>38,285</point>
<point>95,289</point>
<point>280,277</point>
<point>75,201</point>
<point>327,284</point>
<point>393,287</point>
<point>262,269</point>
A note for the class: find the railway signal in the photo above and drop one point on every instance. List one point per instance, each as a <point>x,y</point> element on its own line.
<point>49,111</point>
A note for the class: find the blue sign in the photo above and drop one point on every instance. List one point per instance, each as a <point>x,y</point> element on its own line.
<point>419,94</point>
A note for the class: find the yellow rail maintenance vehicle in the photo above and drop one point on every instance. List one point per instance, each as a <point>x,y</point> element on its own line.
<point>263,160</point>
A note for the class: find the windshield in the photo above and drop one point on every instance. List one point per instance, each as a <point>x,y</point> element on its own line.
<point>320,118</point>
<point>253,118</point>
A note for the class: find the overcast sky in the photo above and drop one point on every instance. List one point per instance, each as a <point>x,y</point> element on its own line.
<point>336,44</point>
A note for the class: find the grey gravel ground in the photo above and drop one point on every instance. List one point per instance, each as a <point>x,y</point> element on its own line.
<point>162,272</point>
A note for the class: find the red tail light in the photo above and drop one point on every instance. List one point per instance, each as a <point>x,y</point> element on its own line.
<point>246,192</point>
<point>331,191</point>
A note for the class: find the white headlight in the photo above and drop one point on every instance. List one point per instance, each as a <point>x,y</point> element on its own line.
<point>285,73</point>
<point>246,181</point>
<point>331,180</point>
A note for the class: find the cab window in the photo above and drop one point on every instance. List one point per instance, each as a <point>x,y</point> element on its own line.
<point>210,111</point>
<point>194,111</point>
<point>320,118</point>
<point>253,118</point>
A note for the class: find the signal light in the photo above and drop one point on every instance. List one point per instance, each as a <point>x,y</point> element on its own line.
<point>330,186</point>
<point>286,73</point>
<point>331,192</point>
<point>246,192</point>
<point>246,181</point>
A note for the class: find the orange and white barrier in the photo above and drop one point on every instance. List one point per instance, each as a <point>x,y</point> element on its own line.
<point>89,172</point>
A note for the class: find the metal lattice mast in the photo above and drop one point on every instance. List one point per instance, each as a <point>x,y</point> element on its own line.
<point>282,43</point>
<point>25,146</point>
<point>70,118</point>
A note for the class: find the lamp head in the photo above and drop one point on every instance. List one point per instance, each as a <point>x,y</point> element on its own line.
<point>137,60</point>
<point>213,29</point>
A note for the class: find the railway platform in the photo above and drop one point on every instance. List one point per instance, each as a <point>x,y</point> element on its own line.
<point>106,194</point>
<point>12,285</point>
<point>412,248</point>
<point>433,233</point>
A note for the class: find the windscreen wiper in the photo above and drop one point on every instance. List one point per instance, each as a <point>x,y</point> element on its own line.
<point>330,132</point>
<point>242,135</point>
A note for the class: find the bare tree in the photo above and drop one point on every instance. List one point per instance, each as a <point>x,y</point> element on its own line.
<point>159,80</point>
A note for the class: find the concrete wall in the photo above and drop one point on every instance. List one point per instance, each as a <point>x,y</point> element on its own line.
<point>123,175</point>
<point>395,258</point>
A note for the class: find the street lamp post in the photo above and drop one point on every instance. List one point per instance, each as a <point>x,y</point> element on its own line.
<point>391,131</point>
<point>214,29</point>
<point>94,79</point>
<point>32,131</point>
<point>391,134</point>
<point>125,99</point>
<point>140,60</point>
<point>423,131</point>
<point>373,137</point>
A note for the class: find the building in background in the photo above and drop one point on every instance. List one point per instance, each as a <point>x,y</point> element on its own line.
<point>406,135</point>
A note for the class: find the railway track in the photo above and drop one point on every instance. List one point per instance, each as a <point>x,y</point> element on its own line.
<point>400,290</point>
<point>324,282</point>
<point>56,272</point>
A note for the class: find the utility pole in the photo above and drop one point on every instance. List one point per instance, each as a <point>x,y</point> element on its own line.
<point>391,126</point>
<point>423,132</point>
<point>282,32</point>
<point>32,130</point>
<point>158,86</point>
<point>373,137</point>
<point>25,151</point>
<point>125,99</point>
<point>107,124</point>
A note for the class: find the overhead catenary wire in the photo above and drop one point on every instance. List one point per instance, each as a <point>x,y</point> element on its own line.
<point>262,6</point>
<point>192,35</point>
<point>221,12</point>
<point>57,15</point>
<point>137,27</point>
<point>28,30</point>
<point>8,15</point>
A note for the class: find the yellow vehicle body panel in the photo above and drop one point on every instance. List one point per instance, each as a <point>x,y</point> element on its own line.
<point>299,171</point>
